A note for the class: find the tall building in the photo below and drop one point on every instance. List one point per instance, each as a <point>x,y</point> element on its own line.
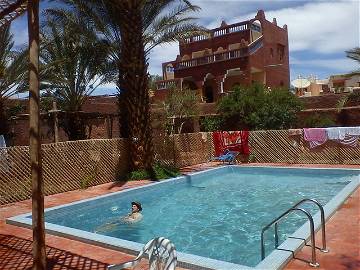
<point>242,53</point>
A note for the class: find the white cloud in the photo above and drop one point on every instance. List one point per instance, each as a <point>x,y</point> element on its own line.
<point>324,27</point>
<point>317,27</point>
<point>161,54</point>
<point>339,64</point>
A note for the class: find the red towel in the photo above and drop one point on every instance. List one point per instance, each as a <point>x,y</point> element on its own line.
<point>231,140</point>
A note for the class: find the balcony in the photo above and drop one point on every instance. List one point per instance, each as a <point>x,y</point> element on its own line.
<point>167,84</point>
<point>217,32</point>
<point>217,57</point>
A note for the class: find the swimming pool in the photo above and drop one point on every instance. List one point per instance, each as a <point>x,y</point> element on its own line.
<point>216,215</point>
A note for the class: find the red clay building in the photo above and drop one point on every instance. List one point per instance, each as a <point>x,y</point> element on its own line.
<point>242,53</point>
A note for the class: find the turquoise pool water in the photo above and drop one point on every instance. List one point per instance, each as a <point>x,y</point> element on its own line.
<point>218,214</point>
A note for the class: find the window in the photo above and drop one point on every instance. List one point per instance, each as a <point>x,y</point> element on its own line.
<point>169,69</point>
<point>280,51</point>
<point>271,53</point>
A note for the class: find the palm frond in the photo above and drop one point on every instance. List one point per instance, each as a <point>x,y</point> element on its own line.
<point>354,54</point>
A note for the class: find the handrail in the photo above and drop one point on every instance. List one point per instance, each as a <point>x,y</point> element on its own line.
<point>312,232</point>
<point>322,213</point>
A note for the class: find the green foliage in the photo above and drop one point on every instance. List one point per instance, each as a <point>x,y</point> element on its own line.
<point>352,97</point>
<point>211,123</point>
<point>73,66</point>
<point>46,101</point>
<point>256,107</point>
<point>13,71</point>
<point>252,158</point>
<point>318,120</point>
<point>152,81</point>
<point>180,104</point>
<point>15,109</point>
<point>354,54</point>
<point>161,172</point>
<point>86,181</point>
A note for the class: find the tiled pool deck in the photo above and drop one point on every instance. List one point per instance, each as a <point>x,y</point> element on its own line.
<point>343,234</point>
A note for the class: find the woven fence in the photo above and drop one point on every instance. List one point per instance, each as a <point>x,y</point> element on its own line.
<point>66,166</point>
<point>276,146</point>
<point>80,164</point>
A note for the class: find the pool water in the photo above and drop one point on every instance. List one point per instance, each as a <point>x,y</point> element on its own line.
<point>218,214</point>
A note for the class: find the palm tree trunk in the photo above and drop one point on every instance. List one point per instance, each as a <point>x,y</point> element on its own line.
<point>133,82</point>
<point>38,223</point>
<point>4,127</point>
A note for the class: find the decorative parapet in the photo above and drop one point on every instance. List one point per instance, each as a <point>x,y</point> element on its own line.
<point>217,32</point>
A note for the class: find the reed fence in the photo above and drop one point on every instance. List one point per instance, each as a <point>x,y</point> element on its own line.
<point>73,165</point>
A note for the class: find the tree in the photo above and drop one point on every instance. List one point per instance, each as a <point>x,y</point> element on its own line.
<point>353,54</point>
<point>259,108</point>
<point>180,105</point>
<point>132,28</point>
<point>73,66</point>
<point>13,71</point>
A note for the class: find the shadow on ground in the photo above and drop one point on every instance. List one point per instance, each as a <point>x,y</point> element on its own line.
<point>16,253</point>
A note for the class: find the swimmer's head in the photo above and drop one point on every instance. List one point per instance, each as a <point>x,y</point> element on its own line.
<point>136,206</point>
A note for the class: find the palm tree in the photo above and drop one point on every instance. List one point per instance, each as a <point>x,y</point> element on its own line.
<point>131,28</point>
<point>73,67</point>
<point>353,54</point>
<point>13,70</point>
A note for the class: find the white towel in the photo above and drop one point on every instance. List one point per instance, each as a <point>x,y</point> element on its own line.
<point>338,133</point>
<point>333,133</point>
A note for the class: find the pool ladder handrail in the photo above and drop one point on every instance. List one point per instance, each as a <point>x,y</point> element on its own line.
<point>312,231</point>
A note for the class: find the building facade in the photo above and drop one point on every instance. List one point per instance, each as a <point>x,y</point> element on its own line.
<point>238,54</point>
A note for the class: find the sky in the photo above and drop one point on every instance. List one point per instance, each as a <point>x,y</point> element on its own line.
<point>319,32</point>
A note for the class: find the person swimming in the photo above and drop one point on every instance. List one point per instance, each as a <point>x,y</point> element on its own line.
<point>133,217</point>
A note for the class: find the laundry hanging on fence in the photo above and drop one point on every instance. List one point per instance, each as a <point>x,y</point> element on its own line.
<point>315,136</point>
<point>348,136</point>
<point>231,140</point>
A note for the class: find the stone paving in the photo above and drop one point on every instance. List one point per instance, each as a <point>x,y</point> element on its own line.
<point>343,233</point>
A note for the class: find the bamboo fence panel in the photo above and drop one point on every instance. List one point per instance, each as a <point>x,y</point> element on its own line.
<point>192,148</point>
<point>278,147</point>
<point>73,165</point>
<point>66,166</point>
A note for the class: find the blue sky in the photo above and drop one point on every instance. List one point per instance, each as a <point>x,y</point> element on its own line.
<point>319,32</point>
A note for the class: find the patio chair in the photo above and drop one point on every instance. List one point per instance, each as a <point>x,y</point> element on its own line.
<point>227,156</point>
<point>160,252</point>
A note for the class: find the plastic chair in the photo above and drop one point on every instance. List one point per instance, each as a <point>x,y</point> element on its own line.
<point>227,156</point>
<point>160,252</point>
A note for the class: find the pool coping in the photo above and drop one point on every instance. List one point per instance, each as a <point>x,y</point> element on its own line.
<point>275,260</point>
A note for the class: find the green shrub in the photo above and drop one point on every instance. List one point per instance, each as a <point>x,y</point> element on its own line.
<point>256,107</point>
<point>211,123</point>
<point>86,181</point>
<point>161,172</point>
<point>318,120</point>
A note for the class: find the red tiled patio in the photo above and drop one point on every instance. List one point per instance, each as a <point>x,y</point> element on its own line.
<point>343,233</point>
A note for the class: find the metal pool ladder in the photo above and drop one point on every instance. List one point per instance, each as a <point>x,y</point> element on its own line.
<point>312,231</point>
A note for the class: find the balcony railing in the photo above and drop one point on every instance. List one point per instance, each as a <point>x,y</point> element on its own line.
<point>166,84</point>
<point>228,55</point>
<point>237,27</point>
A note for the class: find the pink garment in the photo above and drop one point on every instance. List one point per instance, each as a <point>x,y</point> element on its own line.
<point>315,136</point>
